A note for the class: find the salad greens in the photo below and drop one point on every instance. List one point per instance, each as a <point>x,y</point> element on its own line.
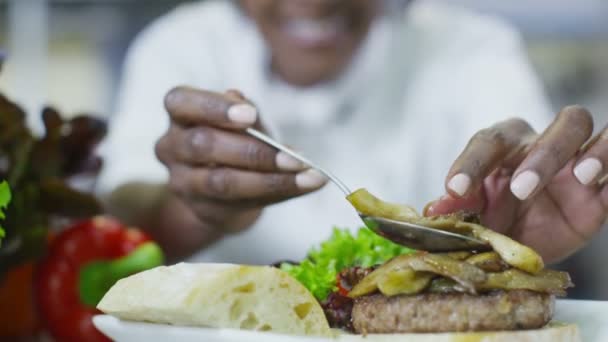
<point>5,198</point>
<point>343,249</point>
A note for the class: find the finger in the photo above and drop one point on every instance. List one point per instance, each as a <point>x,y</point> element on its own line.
<point>239,185</point>
<point>216,212</point>
<point>557,145</point>
<point>236,95</point>
<point>591,163</point>
<point>189,106</point>
<point>163,149</point>
<point>500,206</point>
<point>205,145</point>
<point>486,150</point>
<point>448,204</point>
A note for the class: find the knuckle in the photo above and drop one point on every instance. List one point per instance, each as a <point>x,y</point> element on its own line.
<point>199,143</point>
<point>255,155</point>
<point>519,125</point>
<point>490,135</point>
<point>220,183</point>
<point>552,156</point>
<point>278,184</point>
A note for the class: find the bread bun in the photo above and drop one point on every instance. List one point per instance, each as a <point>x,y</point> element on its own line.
<point>218,295</point>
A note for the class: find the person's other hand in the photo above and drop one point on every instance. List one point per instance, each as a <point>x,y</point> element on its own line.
<point>543,190</point>
<point>222,174</point>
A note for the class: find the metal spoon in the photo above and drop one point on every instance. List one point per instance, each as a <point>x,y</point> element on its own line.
<point>403,233</point>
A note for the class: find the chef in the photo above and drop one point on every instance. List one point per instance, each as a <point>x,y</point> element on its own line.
<point>412,100</point>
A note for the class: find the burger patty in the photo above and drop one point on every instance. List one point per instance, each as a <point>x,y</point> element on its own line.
<point>452,312</point>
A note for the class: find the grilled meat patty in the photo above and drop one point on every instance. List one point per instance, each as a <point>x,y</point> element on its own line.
<point>451,312</point>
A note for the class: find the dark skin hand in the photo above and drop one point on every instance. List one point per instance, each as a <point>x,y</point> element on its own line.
<point>543,190</point>
<point>219,177</point>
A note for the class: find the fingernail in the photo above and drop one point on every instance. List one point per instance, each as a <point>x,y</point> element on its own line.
<point>288,163</point>
<point>243,114</point>
<point>310,179</point>
<point>460,184</point>
<point>587,170</point>
<point>524,184</point>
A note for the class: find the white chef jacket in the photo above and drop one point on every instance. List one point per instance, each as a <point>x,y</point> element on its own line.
<point>420,85</point>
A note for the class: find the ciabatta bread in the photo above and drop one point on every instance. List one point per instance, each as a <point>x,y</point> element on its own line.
<point>218,295</point>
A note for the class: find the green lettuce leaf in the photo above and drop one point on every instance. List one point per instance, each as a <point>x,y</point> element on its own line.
<point>343,249</point>
<point>5,199</point>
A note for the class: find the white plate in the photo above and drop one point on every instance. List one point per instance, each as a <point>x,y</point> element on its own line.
<point>590,316</point>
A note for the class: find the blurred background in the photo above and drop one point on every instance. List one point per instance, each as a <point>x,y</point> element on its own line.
<point>69,53</point>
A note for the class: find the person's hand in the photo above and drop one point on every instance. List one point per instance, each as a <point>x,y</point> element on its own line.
<point>223,175</point>
<point>544,191</point>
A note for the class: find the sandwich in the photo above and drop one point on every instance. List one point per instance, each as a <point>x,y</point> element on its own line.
<point>362,287</point>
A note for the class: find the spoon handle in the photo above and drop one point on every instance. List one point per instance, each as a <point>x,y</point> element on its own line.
<point>263,137</point>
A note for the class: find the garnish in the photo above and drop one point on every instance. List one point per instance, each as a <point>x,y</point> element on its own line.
<point>343,249</point>
<point>5,199</point>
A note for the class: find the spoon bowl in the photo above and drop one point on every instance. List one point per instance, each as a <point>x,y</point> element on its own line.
<point>403,233</point>
<point>422,238</point>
